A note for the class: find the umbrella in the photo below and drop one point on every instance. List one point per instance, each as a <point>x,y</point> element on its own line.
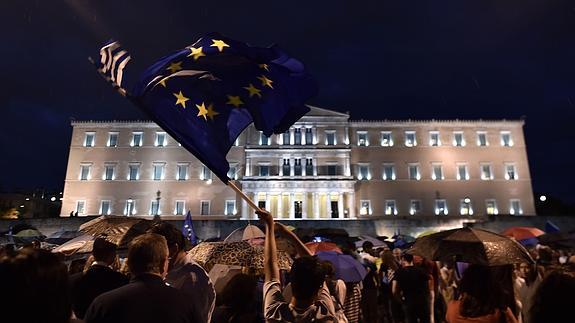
<point>239,253</point>
<point>426,233</point>
<point>81,244</point>
<point>471,245</point>
<point>346,267</point>
<point>558,239</point>
<point>376,242</point>
<point>220,275</point>
<point>245,233</point>
<point>61,236</point>
<point>316,247</point>
<point>402,240</point>
<point>522,233</point>
<point>117,229</point>
<point>28,235</point>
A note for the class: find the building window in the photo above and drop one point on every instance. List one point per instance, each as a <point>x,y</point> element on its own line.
<point>465,207</point>
<point>331,169</point>
<point>105,207</point>
<point>486,173</point>
<point>365,207</point>
<point>297,167</point>
<point>482,139</point>
<point>436,172</point>
<point>414,207</point>
<point>264,140</point>
<point>362,139</point>
<point>390,208</point>
<point>462,173</point>
<point>85,171</point>
<point>386,139</point>
<point>137,138</point>
<point>388,172</point>
<point>264,170</point>
<point>285,138</point>
<point>515,207</point>
<point>182,174</point>
<point>330,138</point>
<point>440,207</point>
<point>133,172</point>
<point>180,207</point>
<point>230,207</point>
<point>155,207</point>
<point>160,139</point>
<point>413,172</point>
<point>309,167</point>
<point>206,174</point>
<point>158,172</point>
<point>434,139</point>
<point>506,139</point>
<point>130,208</point>
<point>233,171</point>
<point>308,136</point>
<point>81,207</point>
<point>205,208</point>
<point>89,139</point>
<point>410,139</point>
<point>109,172</point>
<point>491,207</point>
<point>458,139</point>
<point>286,167</point>
<point>297,136</point>
<point>363,172</point>
<point>112,139</point>
<point>510,172</point>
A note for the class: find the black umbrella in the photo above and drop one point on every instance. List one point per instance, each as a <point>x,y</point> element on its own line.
<point>559,239</point>
<point>469,245</point>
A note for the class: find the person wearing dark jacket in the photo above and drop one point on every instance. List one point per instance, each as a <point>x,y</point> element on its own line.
<point>146,298</point>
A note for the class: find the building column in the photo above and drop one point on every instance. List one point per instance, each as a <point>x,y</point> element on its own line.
<point>340,205</point>
<point>304,206</point>
<point>291,166</point>
<point>248,166</point>
<point>291,136</point>
<point>268,202</point>
<point>314,135</point>
<point>346,167</point>
<point>315,205</point>
<point>346,136</point>
<point>351,205</point>
<point>291,208</point>
<point>280,208</point>
<point>281,170</point>
<point>245,207</point>
<point>328,204</point>
<point>314,163</point>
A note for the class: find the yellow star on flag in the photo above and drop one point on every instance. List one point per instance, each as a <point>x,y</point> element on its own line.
<point>234,100</point>
<point>211,112</point>
<point>181,99</point>
<point>264,66</point>
<point>203,112</point>
<point>162,82</point>
<point>196,53</point>
<point>219,44</point>
<point>266,81</point>
<point>174,67</point>
<point>253,90</point>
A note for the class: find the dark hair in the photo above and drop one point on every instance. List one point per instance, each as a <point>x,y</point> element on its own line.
<point>553,299</point>
<point>307,276</point>
<point>478,292</point>
<point>240,293</point>
<point>407,257</point>
<point>171,233</point>
<point>104,250</point>
<point>367,245</point>
<point>147,253</point>
<point>39,287</point>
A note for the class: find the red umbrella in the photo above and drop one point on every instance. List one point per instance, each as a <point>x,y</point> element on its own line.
<point>316,247</point>
<point>522,233</point>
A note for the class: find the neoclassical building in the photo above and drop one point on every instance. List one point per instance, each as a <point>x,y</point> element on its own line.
<point>325,167</point>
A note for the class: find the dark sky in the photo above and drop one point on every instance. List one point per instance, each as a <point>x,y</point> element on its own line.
<point>378,59</point>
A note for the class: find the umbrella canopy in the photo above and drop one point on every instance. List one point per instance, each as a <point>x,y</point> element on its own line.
<point>346,267</point>
<point>402,240</point>
<point>316,247</point>
<point>79,245</point>
<point>220,275</point>
<point>558,239</point>
<point>376,242</point>
<point>28,235</point>
<point>522,233</point>
<point>245,233</point>
<point>239,253</point>
<point>61,236</point>
<point>426,233</point>
<point>117,229</point>
<point>474,246</point>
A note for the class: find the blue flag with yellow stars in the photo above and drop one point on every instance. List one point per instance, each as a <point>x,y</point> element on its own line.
<point>188,229</point>
<point>206,94</point>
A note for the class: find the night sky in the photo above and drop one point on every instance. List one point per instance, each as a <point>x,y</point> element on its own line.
<point>377,59</point>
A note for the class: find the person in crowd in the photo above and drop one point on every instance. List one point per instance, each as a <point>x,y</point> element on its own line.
<point>146,298</point>
<point>98,279</point>
<point>553,300</point>
<point>351,306</point>
<point>505,277</point>
<point>337,290</point>
<point>480,299</point>
<point>528,279</point>
<point>77,266</point>
<point>370,284</point>
<point>311,301</point>
<point>185,274</point>
<point>36,283</point>
<point>238,301</point>
<point>414,288</point>
<point>390,309</point>
<point>397,255</point>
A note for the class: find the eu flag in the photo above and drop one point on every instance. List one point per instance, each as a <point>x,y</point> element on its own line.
<point>206,94</point>
<point>188,229</point>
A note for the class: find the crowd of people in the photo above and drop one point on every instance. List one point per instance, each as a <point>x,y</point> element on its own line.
<point>160,282</point>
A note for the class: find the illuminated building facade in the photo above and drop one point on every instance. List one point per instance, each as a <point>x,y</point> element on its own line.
<point>325,167</point>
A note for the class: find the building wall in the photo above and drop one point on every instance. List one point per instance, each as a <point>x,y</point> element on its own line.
<point>335,187</point>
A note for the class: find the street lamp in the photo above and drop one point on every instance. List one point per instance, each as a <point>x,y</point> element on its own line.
<point>157,215</point>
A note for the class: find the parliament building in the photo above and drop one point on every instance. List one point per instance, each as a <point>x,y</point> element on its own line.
<point>325,167</point>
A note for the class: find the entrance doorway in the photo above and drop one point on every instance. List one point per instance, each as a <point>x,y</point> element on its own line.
<point>334,210</point>
<point>297,207</point>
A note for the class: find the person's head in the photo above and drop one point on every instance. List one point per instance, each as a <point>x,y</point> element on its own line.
<point>307,276</point>
<point>104,250</point>
<point>148,253</point>
<point>328,269</point>
<point>553,299</point>
<point>397,254</point>
<point>174,237</point>
<point>480,294</point>
<point>77,266</point>
<point>388,260</point>
<point>367,246</point>
<point>240,293</point>
<point>406,260</point>
<point>526,271</point>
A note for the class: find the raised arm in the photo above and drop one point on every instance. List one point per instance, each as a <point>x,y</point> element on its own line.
<point>271,268</point>
<point>301,248</point>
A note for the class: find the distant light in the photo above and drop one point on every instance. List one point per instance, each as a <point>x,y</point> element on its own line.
<point>27,199</point>
<point>22,205</point>
<point>542,198</point>
<point>61,199</point>
<point>60,193</point>
<point>467,200</point>
<point>53,198</point>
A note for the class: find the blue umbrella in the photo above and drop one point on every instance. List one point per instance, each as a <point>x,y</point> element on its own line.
<point>346,267</point>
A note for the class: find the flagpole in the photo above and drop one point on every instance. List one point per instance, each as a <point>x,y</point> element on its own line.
<point>243,195</point>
